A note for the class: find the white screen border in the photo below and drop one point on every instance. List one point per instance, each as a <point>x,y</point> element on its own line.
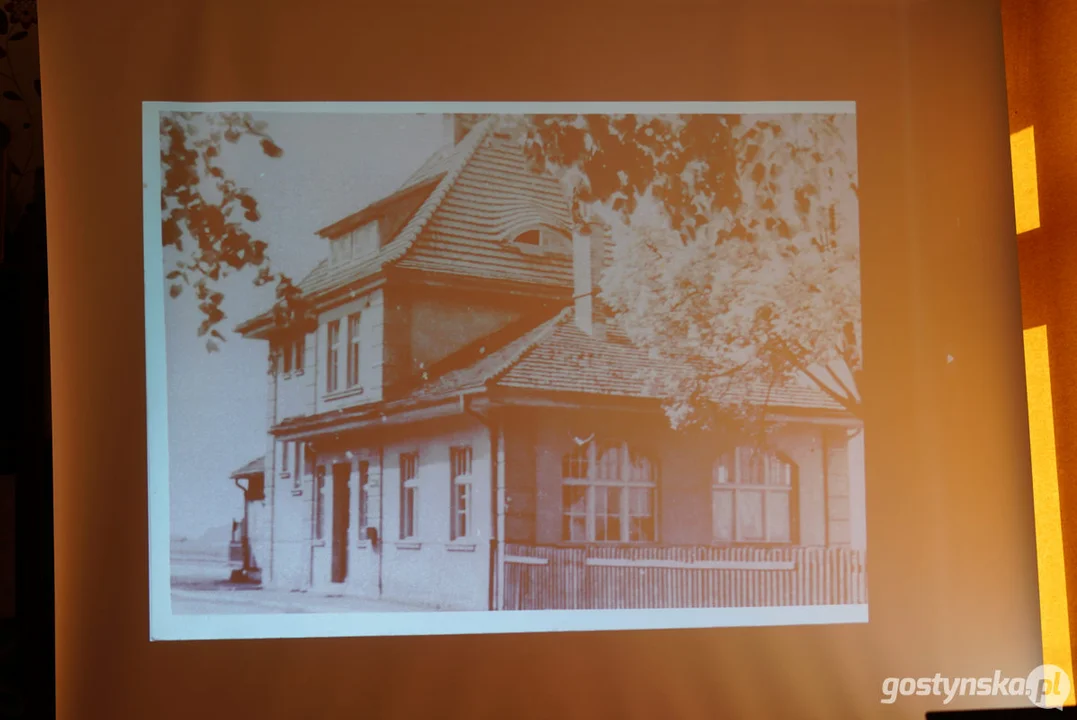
<point>166,626</point>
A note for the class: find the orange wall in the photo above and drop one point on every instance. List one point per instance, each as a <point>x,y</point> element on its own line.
<point>952,575</point>
<point>1041,72</point>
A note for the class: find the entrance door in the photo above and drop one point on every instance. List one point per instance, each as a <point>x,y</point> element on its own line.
<point>341,518</point>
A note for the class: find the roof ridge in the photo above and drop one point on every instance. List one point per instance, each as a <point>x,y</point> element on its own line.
<point>415,226</point>
<point>540,334</point>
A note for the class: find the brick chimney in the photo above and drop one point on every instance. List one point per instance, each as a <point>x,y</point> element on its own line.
<point>588,262</point>
<point>448,130</point>
<point>462,124</point>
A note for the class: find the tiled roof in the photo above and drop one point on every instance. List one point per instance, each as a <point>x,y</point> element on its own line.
<point>325,278</point>
<point>486,195</point>
<point>556,356</point>
<point>409,198</point>
<point>436,164</point>
<point>569,360</point>
<point>256,466</point>
<point>491,362</point>
<point>495,198</point>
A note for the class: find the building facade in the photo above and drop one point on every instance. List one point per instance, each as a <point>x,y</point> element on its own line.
<point>456,423</point>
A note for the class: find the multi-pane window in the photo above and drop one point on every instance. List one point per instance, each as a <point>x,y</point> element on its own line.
<point>353,350</point>
<point>364,492</point>
<point>300,347</point>
<point>292,356</point>
<point>607,494</point>
<point>291,457</point>
<point>357,245</point>
<point>365,241</point>
<point>319,503</point>
<point>460,491</point>
<point>332,356</point>
<point>409,495</point>
<point>301,456</point>
<point>751,497</point>
<point>340,249</point>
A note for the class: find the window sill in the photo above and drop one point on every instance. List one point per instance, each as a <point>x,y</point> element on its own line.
<point>456,546</point>
<point>341,394</point>
<point>409,545</point>
<point>319,543</point>
<point>364,545</point>
<point>296,492</point>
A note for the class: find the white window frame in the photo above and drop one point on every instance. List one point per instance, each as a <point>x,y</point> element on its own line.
<point>354,354</point>
<point>731,476</point>
<point>300,458</point>
<point>362,493</point>
<point>285,459</point>
<point>332,356</point>
<point>340,249</point>
<point>409,486</point>
<point>286,358</point>
<point>461,493</point>
<point>365,240</point>
<point>321,474</point>
<point>299,347</point>
<point>624,484</point>
<point>549,241</point>
<point>292,357</point>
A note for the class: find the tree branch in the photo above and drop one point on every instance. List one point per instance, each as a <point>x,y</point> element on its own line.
<point>848,403</point>
<point>837,379</point>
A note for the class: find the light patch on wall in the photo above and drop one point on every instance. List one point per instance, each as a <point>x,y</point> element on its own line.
<point>1054,613</point>
<point>1026,195</point>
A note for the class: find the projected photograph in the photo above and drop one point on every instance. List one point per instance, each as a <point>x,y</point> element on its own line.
<point>434,359</point>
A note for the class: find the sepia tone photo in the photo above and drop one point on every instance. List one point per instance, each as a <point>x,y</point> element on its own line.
<point>545,360</point>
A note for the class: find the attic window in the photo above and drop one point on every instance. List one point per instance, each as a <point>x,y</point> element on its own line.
<point>542,241</point>
<point>359,244</point>
<point>532,238</point>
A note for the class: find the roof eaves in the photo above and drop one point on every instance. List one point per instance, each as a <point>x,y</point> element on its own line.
<point>254,467</point>
<point>370,211</point>
<point>247,328</point>
<point>400,245</point>
<point>541,334</point>
<point>372,413</point>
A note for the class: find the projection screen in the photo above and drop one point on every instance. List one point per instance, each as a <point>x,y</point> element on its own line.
<point>525,407</point>
<point>594,362</point>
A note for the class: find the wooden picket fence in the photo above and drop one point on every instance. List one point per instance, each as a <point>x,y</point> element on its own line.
<point>597,577</point>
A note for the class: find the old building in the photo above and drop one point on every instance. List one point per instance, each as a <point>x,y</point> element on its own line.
<point>457,422</point>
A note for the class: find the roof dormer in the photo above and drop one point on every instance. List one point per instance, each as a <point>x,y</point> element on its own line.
<point>360,244</point>
<point>361,235</point>
<point>541,240</point>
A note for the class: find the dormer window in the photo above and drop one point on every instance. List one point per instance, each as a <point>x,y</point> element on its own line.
<point>357,245</point>
<point>542,241</point>
<point>531,238</point>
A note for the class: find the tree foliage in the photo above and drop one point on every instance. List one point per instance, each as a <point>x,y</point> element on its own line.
<point>736,256</point>
<point>206,217</point>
